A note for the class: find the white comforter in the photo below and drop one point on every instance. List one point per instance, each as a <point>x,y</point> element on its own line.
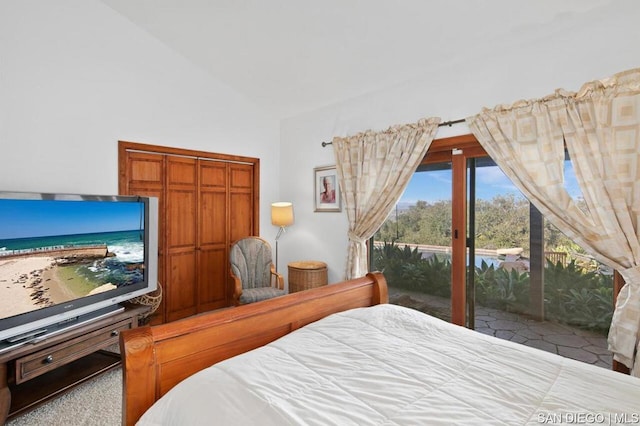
<point>388,365</point>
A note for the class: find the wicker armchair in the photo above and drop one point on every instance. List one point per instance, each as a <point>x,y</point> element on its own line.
<point>253,273</point>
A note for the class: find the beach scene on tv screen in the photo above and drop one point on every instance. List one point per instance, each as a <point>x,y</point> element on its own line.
<point>52,252</point>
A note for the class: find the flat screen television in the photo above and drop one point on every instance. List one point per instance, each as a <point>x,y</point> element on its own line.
<point>66,259</point>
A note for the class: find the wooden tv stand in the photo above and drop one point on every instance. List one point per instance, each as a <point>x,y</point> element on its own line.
<point>37,371</point>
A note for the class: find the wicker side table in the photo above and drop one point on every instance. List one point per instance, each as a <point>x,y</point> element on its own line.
<point>306,274</point>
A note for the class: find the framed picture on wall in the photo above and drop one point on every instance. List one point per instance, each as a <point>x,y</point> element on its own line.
<point>326,193</point>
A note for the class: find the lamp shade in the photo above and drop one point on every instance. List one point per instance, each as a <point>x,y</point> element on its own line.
<point>282,213</point>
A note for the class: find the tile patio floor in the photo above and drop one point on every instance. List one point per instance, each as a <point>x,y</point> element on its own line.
<point>575,343</point>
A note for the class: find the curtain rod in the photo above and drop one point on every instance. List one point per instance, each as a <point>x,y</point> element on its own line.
<point>444,123</point>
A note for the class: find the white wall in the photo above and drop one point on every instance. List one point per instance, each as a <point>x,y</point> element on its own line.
<point>571,52</point>
<point>76,77</point>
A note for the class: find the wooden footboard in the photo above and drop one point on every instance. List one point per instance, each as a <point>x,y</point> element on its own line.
<point>156,358</point>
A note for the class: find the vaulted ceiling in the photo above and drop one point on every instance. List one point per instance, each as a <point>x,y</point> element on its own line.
<point>291,56</point>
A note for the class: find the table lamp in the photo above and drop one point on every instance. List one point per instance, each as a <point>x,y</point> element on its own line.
<point>282,216</point>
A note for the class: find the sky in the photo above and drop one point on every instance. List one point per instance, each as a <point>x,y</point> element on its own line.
<point>490,181</point>
<point>37,218</point>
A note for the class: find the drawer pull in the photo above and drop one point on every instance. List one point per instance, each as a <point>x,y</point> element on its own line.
<point>114,333</point>
<point>48,359</point>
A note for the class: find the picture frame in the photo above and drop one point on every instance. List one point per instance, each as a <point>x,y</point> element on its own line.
<point>326,191</point>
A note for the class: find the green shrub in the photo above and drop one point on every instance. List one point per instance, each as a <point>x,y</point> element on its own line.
<point>405,268</point>
<point>573,295</point>
<point>431,276</point>
<point>501,289</point>
<point>578,297</point>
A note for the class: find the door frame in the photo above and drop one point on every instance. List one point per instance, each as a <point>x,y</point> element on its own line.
<point>457,150</point>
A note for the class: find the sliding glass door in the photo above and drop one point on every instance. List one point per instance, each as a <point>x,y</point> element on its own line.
<point>531,284</point>
<point>413,247</point>
<point>465,245</point>
<point>422,247</point>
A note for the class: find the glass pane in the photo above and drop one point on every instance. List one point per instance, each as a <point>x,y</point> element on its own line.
<point>574,291</point>
<point>578,295</point>
<point>501,239</point>
<point>413,246</point>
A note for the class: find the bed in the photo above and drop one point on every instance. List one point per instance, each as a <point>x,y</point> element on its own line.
<point>341,355</point>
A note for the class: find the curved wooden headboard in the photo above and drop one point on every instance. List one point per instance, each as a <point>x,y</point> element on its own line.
<point>156,358</point>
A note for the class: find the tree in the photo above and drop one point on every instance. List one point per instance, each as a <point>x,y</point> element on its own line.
<point>501,222</point>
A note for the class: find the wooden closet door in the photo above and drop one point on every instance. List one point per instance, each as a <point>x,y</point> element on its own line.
<point>241,200</point>
<point>206,202</point>
<point>181,245</point>
<point>144,176</point>
<point>213,290</point>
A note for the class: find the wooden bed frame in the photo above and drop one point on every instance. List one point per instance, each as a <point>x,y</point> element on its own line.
<point>156,358</point>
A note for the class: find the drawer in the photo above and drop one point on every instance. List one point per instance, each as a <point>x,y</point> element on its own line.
<point>43,361</point>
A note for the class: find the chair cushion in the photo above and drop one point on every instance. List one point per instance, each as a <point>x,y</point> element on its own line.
<point>251,295</point>
<point>251,262</point>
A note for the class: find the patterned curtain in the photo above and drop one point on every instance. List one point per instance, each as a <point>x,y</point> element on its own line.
<point>600,126</point>
<point>373,170</point>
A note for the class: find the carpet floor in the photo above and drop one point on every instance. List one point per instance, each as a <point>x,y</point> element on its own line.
<point>96,402</point>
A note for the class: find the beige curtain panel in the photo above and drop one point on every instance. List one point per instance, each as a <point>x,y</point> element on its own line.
<point>373,170</point>
<point>600,125</point>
